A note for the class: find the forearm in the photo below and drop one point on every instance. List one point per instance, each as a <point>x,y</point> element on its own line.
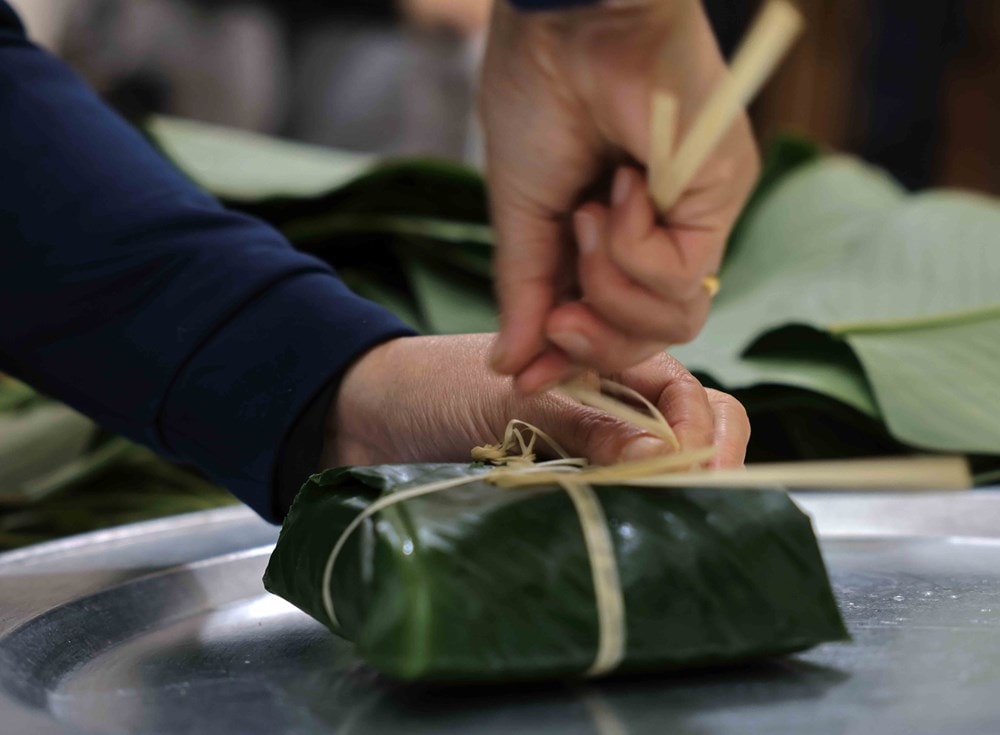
<point>138,299</point>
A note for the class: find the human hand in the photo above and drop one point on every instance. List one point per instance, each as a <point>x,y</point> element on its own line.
<point>467,17</point>
<point>432,399</point>
<point>565,98</point>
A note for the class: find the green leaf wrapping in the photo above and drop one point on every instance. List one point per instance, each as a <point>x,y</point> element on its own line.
<point>479,583</point>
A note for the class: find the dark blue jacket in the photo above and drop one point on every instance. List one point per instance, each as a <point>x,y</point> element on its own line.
<point>141,301</point>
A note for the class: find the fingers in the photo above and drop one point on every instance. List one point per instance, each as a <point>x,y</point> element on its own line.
<point>625,304</point>
<point>678,395</point>
<point>700,417</point>
<point>628,315</point>
<point>621,323</point>
<point>699,225</point>
<point>643,280</point>
<point>546,371</point>
<point>650,254</point>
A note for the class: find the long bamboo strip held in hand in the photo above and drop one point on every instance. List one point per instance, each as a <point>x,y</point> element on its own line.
<point>771,35</point>
<point>680,469</point>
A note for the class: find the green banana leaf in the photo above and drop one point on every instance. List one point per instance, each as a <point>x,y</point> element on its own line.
<point>135,486</point>
<point>36,442</point>
<point>452,301</point>
<point>412,235</point>
<point>479,583</point>
<point>907,282</point>
<point>15,395</point>
<point>217,159</point>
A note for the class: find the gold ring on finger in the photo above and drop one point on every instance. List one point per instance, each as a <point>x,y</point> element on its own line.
<point>712,284</point>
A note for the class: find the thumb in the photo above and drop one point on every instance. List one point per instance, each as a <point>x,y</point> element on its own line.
<point>589,432</point>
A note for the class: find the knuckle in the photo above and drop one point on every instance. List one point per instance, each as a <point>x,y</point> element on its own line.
<point>685,381</point>
<point>597,431</point>
<point>666,363</point>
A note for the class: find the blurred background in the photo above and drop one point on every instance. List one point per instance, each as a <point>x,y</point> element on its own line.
<point>913,87</point>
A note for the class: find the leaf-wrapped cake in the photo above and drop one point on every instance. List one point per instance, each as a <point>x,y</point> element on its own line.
<point>485,583</point>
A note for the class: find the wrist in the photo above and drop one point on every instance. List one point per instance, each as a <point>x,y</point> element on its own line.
<point>351,434</point>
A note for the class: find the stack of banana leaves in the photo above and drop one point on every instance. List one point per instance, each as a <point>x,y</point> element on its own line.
<point>855,318</point>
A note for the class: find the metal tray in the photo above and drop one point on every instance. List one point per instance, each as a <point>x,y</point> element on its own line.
<point>164,627</point>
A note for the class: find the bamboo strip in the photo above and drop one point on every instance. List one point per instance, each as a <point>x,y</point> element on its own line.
<point>897,473</point>
<point>769,38</point>
<point>663,138</point>
<point>655,423</point>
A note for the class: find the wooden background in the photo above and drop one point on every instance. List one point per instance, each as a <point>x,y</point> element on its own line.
<point>915,89</point>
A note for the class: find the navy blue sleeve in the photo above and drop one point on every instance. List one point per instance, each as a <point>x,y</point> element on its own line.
<point>135,297</point>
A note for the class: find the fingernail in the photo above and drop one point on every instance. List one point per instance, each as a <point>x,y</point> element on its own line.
<point>572,343</point>
<point>622,187</point>
<point>645,447</point>
<point>587,234</point>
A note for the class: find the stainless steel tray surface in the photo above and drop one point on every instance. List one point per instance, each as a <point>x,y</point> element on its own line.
<point>164,627</point>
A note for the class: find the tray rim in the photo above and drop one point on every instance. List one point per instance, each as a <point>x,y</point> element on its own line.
<point>126,532</point>
<point>243,514</point>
